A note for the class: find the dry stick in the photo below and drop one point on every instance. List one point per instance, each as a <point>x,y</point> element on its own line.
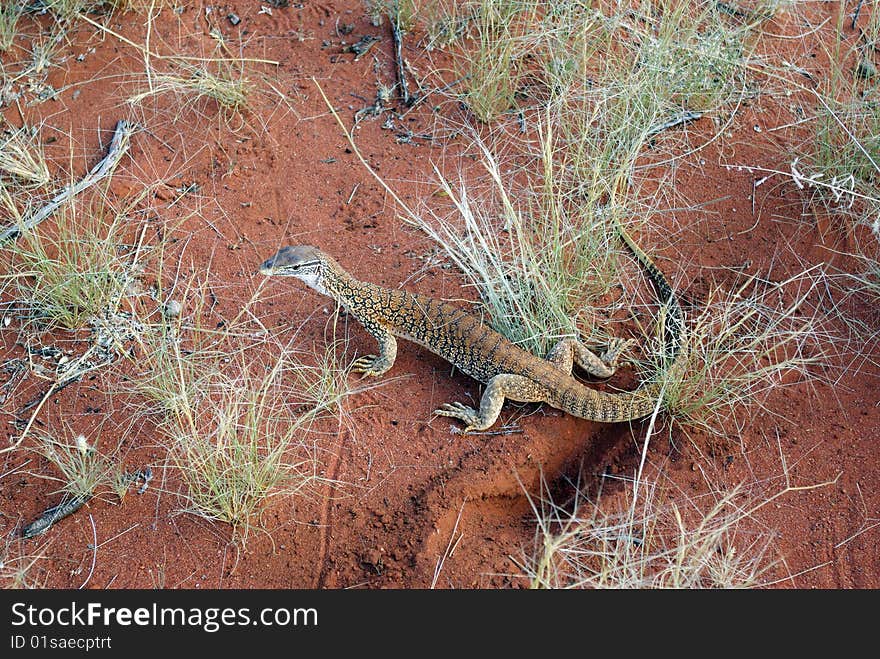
<point>118,147</point>
<point>55,514</point>
<point>148,52</point>
<point>357,152</point>
<point>398,56</point>
<point>30,422</point>
<point>648,433</point>
<point>682,118</point>
<point>94,552</point>
<point>449,547</point>
<point>855,18</point>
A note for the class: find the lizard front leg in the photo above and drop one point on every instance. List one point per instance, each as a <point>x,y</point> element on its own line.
<point>504,385</point>
<point>377,364</point>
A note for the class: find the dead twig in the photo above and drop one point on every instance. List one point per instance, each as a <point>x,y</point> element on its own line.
<point>453,543</point>
<point>678,120</point>
<point>397,35</point>
<point>94,552</point>
<point>118,148</point>
<point>54,514</point>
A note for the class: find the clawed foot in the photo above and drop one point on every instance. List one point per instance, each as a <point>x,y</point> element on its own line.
<point>369,365</point>
<point>616,348</point>
<point>462,412</point>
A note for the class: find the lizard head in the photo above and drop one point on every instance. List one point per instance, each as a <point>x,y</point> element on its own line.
<point>301,261</point>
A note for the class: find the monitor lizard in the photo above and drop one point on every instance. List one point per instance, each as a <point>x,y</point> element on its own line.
<point>462,339</point>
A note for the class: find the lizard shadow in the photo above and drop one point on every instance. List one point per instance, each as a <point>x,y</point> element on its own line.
<point>499,489</point>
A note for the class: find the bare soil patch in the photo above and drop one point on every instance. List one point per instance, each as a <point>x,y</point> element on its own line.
<point>403,501</point>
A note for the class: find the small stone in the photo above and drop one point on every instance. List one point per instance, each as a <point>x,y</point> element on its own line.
<point>172,309</point>
<point>865,69</point>
<point>233,18</point>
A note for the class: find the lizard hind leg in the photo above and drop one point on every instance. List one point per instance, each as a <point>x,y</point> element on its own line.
<point>570,351</point>
<point>500,387</point>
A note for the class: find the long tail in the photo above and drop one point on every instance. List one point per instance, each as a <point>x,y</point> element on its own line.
<point>625,406</point>
<point>673,328</point>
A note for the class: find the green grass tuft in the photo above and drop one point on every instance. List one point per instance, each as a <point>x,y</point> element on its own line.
<point>72,268</point>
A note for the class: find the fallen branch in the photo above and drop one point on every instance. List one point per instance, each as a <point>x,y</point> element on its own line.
<point>398,56</point>
<point>54,514</point>
<point>855,17</point>
<point>118,147</point>
<point>678,120</point>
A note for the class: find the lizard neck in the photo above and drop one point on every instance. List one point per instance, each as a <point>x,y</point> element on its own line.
<point>347,290</point>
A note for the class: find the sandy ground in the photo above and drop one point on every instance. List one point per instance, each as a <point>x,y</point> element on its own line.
<point>406,501</point>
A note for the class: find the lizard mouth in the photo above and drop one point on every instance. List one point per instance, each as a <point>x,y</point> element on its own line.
<point>266,267</point>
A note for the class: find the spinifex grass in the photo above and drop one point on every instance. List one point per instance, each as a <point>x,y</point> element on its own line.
<point>236,427</point>
<point>21,156</point>
<point>841,165</point>
<point>71,267</point>
<point>539,260</point>
<point>225,84</point>
<point>674,55</point>
<point>84,470</point>
<point>68,10</point>
<point>492,66</point>
<point>10,12</point>
<point>739,347</point>
<point>18,564</point>
<point>658,543</point>
<point>244,442</point>
<point>178,354</point>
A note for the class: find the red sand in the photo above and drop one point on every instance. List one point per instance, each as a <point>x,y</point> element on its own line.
<point>408,487</point>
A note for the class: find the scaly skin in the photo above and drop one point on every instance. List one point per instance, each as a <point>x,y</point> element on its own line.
<point>462,339</point>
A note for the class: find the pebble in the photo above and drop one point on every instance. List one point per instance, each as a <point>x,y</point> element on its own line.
<point>865,69</point>
<point>172,309</point>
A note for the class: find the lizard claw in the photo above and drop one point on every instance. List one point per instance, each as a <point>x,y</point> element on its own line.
<point>616,348</point>
<point>368,365</point>
<point>461,412</point>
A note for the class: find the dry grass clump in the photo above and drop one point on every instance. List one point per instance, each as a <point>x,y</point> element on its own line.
<point>650,536</point>
<point>10,12</point>
<point>839,167</point>
<point>225,85</point>
<point>19,564</point>
<point>539,262</point>
<point>244,437</point>
<point>739,347</point>
<point>659,543</point>
<point>84,470</point>
<point>685,54</point>
<point>21,157</point>
<point>73,268</point>
<point>237,426</point>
